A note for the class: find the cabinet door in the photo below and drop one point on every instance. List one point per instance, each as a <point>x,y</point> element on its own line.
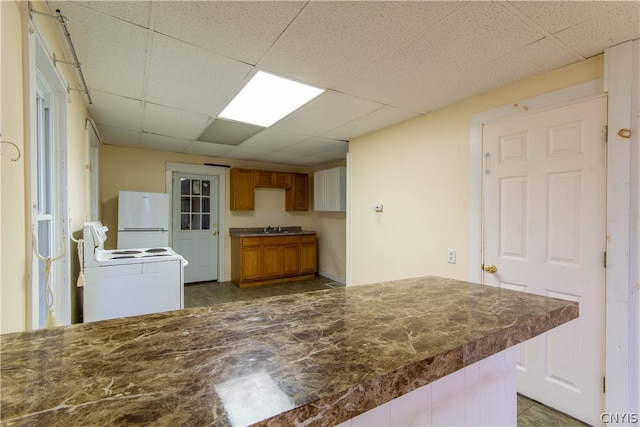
<point>281,179</point>
<point>242,189</point>
<point>251,262</point>
<point>291,259</point>
<point>332,190</point>
<point>297,197</point>
<point>264,178</point>
<point>272,260</point>
<point>319,191</point>
<point>272,179</point>
<point>308,254</point>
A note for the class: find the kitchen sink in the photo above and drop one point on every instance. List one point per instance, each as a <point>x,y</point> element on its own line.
<point>274,231</point>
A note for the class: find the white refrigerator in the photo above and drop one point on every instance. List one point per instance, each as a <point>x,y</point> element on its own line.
<point>143,219</point>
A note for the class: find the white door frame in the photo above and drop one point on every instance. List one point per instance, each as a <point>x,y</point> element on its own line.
<point>93,175</point>
<point>40,64</point>
<point>219,171</point>
<point>622,348</point>
<point>621,356</point>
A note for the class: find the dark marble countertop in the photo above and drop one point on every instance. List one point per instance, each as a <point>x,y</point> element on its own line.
<point>259,232</point>
<point>322,357</point>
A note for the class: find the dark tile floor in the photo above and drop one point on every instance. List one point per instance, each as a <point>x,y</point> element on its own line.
<point>208,293</point>
<point>530,413</point>
<point>534,414</point>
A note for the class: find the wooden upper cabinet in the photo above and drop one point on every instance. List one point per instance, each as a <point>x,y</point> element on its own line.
<point>242,189</point>
<point>244,181</point>
<point>273,179</point>
<point>297,197</point>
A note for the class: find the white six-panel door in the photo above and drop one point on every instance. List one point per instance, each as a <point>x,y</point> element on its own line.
<point>544,231</point>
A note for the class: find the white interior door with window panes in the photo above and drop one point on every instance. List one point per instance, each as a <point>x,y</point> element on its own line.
<point>195,224</point>
<point>544,233</point>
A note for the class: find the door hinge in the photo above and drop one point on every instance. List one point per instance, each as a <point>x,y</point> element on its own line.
<point>604,384</point>
<point>606,134</point>
<point>604,259</point>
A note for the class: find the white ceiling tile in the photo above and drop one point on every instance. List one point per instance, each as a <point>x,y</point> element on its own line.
<point>163,143</point>
<point>239,30</point>
<point>247,153</point>
<point>313,47</point>
<point>316,160</point>
<point>525,62</point>
<point>482,30</point>
<point>207,149</point>
<point>115,136</point>
<point>528,61</point>
<point>286,157</point>
<point>382,117</point>
<point>326,112</point>
<point>137,12</point>
<point>191,78</point>
<point>592,37</point>
<point>112,52</point>
<point>274,139</point>
<point>172,122</point>
<point>486,30</point>
<point>114,110</point>
<point>321,147</point>
<point>555,16</point>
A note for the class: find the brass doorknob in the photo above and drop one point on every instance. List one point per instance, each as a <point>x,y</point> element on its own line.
<point>215,233</point>
<point>490,268</point>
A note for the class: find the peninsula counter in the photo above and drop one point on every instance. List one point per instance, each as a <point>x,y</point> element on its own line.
<point>319,358</point>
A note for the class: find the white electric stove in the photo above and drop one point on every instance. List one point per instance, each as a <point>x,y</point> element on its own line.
<point>129,282</point>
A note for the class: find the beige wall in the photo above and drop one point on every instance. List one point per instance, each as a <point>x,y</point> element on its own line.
<point>15,234</point>
<point>144,170</point>
<point>12,195</point>
<point>419,171</point>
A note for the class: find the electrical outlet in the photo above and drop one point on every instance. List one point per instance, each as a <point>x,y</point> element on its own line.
<point>451,256</point>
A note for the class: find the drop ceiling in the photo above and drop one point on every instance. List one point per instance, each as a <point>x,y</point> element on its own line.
<point>160,72</point>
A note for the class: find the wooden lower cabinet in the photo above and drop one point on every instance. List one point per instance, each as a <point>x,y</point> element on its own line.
<point>251,259</point>
<point>264,260</point>
<point>308,253</point>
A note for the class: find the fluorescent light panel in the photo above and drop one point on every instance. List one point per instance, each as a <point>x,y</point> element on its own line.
<point>268,98</point>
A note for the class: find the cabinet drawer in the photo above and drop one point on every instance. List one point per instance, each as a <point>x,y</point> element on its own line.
<point>308,238</point>
<point>280,240</point>
<point>250,241</point>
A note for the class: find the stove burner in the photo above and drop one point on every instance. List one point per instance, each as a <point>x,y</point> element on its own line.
<point>156,250</point>
<point>127,252</point>
<point>122,257</point>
